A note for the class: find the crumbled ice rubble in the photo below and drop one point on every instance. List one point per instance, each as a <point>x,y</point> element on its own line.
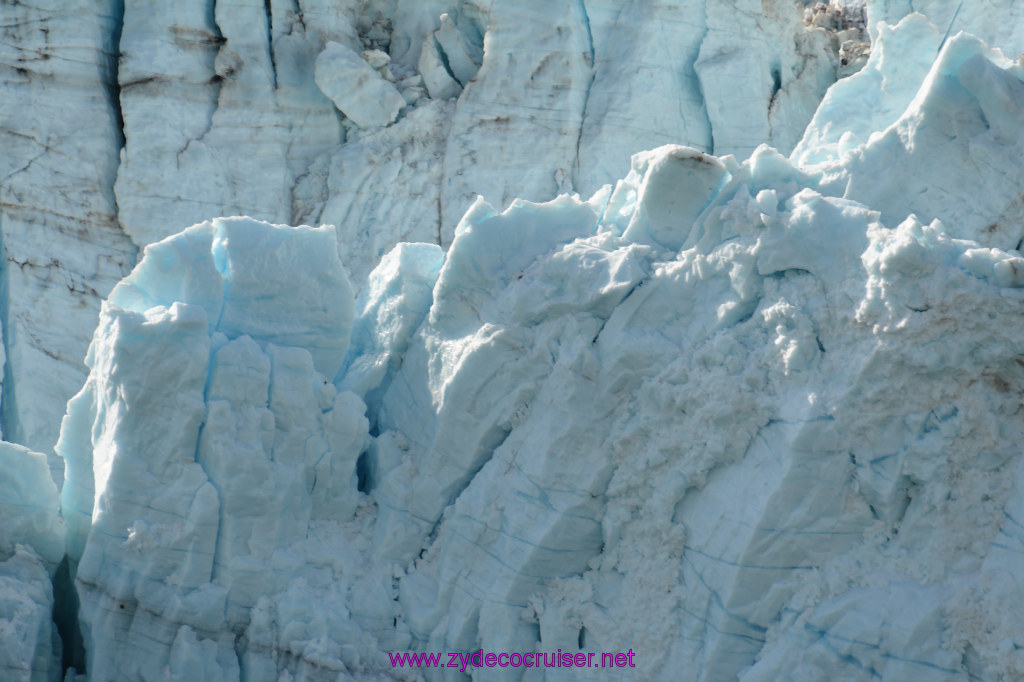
<point>846,25</point>
<point>375,33</point>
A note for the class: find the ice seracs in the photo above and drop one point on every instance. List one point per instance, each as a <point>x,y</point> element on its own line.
<point>149,118</point>
<point>724,424</point>
<point>749,415</point>
<point>251,447</point>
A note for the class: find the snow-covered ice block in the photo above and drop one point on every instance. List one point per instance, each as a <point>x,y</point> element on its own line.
<point>234,268</point>
<point>390,308</point>
<point>356,88</point>
<point>678,183</point>
<point>488,264</point>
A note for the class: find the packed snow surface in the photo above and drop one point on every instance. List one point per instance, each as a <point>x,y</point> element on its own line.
<point>750,414</point>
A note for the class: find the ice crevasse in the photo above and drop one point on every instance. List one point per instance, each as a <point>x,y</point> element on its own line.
<point>751,420</point>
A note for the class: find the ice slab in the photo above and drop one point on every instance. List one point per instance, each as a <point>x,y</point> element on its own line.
<point>356,88</point>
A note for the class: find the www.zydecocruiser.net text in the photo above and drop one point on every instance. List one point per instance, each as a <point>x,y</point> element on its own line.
<point>530,659</point>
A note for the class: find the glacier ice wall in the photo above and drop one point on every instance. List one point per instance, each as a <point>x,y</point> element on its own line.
<point>754,420</point>
<point>125,120</point>
<point>63,246</point>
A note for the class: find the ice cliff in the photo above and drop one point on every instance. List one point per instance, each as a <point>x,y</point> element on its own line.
<point>125,121</point>
<point>752,411</point>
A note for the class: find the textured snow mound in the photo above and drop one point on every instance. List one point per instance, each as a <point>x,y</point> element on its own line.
<point>755,420</point>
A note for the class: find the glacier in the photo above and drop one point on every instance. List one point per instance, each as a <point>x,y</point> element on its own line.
<point>128,121</point>
<point>751,410</point>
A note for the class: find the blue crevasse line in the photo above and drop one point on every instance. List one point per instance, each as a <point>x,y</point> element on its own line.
<point>700,85</point>
<point>270,42</point>
<point>586,94</point>
<point>949,28</point>
<point>113,84</point>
